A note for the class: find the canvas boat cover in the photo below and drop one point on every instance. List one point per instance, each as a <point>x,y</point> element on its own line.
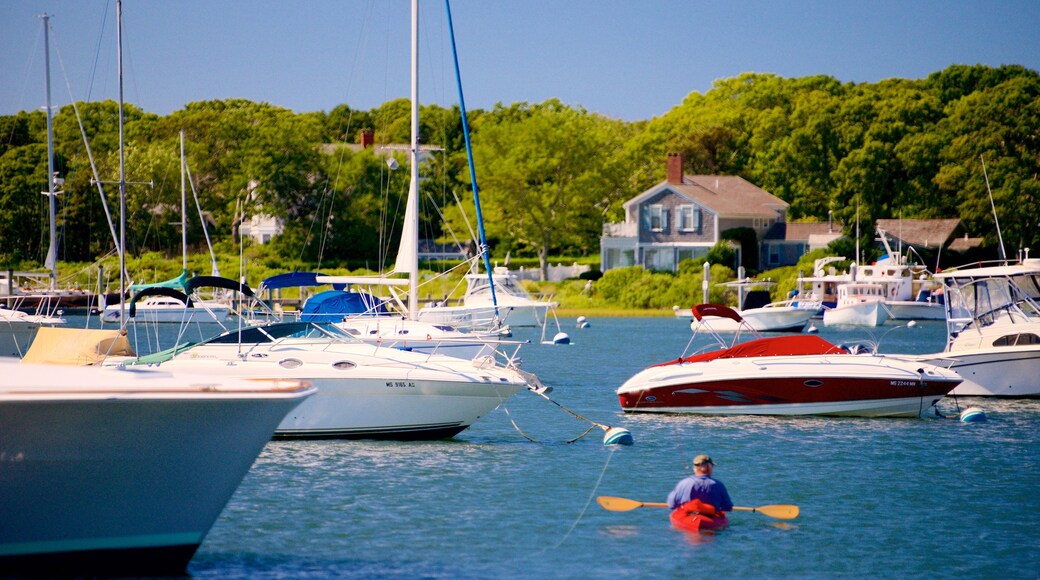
<point>793,345</point>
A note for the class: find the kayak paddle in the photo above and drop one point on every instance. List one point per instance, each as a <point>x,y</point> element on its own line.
<point>620,504</point>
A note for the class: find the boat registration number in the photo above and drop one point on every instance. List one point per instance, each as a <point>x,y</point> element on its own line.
<point>401,384</point>
<point>903,383</point>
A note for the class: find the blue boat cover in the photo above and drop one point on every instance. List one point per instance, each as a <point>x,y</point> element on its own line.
<point>293,280</point>
<point>334,305</point>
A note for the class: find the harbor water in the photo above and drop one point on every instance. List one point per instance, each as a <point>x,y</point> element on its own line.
<point>512,497</point>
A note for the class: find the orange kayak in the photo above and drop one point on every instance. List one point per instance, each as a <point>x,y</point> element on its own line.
<point>694,516</point>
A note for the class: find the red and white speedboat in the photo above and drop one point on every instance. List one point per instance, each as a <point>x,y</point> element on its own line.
<point>785,375</point>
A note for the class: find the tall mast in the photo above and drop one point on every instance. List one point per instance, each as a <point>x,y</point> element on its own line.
<point>184,212</point>
<point>122,168</point>
<point>412,211</point>
<point>52,252</point>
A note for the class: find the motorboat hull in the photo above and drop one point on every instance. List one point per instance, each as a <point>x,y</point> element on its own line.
<point>1010,372</point>
<point>868,314</point>
<point>768,319</point>
<point>366,391</point>
<point>843,385</point>
<point>122,472</point>
<point>915,310</point>
<point>18,329</point>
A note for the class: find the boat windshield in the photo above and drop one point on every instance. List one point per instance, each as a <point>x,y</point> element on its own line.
<point>982,300</point>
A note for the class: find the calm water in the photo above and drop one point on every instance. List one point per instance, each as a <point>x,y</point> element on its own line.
<point>888,497</point>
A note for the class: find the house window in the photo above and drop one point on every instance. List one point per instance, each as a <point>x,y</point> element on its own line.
<point>774,254</point>
<point>689,218</point>
<point>656,218</point>
<point>659,259</point>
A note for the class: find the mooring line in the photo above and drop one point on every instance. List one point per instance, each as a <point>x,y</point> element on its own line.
<point>588,502</point>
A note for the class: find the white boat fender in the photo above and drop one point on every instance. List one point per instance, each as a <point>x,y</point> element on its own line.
<point>973,415</point>
<point>812,329</point>
<point>561,338</point>
<point>618,436</point>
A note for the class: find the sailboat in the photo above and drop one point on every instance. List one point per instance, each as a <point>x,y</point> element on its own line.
<point>122,472</point>
<point>365,390</point>
<point>169,307</point>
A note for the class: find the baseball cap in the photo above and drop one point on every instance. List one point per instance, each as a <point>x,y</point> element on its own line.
<point>702,459</point>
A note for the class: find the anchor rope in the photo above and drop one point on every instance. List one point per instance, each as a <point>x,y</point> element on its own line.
<point>588,502</point>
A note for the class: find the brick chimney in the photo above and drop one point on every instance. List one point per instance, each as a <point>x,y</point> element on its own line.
<point>368,138</point>
<point>675,168</point>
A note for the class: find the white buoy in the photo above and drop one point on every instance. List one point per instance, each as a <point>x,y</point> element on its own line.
<point>812,329</point>
<point>972,415</point>
<point>582,322</point>
<point>617,436</point>
<point>561,338</point>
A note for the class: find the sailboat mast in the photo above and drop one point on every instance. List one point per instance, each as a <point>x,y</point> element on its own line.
<point>122,168</point>
<point>412,211</point>
<point>52,252</point>
<point>184,212</point>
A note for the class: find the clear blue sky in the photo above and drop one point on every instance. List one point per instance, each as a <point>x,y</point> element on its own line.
<point>630,59</point>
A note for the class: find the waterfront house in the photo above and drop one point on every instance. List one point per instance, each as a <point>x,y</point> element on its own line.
<point>684,216</point>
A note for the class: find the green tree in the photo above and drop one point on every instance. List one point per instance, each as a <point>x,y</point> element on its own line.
<point>547,174</point>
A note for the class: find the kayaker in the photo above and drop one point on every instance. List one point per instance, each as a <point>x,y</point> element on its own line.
<point>701,486</point>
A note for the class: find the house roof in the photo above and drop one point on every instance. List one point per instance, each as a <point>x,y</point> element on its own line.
<point>929,234</point>
<point>964,244</point>
<point>729,196</point>
<point>802,231</point>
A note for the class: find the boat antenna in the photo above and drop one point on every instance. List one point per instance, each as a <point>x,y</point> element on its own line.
<point>472,168</point>
<point>993,207</point>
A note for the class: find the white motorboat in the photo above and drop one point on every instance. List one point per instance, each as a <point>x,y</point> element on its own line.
<point>515,307</point>
<point>757,312</point>
<point>368,319</point>
<point>17,330</point>
<point>908,290</point>
<point>122,471</point>
<point>859,304</point>
<point>365,390</point>
<point>993,329</point>
<point>785,375</point>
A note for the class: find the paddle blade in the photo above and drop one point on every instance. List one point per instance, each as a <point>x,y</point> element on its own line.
<point>620,504</point>
<point>781,512</point>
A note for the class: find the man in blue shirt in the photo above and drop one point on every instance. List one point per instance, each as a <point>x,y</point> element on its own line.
<point>701,486</point>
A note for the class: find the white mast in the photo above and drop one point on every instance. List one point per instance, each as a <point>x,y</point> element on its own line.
<point>122,168</point>
<point>52,177</point>
<point>184,212</point>
<point>407,254</point>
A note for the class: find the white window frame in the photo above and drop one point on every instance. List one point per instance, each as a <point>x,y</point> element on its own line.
<point>689,218</point>
<point>658,212</point>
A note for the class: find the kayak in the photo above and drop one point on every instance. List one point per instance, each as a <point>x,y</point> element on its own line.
<point>694,516</point>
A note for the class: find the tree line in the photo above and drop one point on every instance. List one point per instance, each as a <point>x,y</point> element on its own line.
<point>549,174</point>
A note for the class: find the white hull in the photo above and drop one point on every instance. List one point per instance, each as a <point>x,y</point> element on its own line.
<point>18,329</point>
<point>123,471</point>
<point>478,317</point>
<point>1012,371</point>
<point>418,336</point>
<point>861,314</point>
<point>915,310</point>
<point>768,319</point>
<point>170,314</point>
<point>365,391</point>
